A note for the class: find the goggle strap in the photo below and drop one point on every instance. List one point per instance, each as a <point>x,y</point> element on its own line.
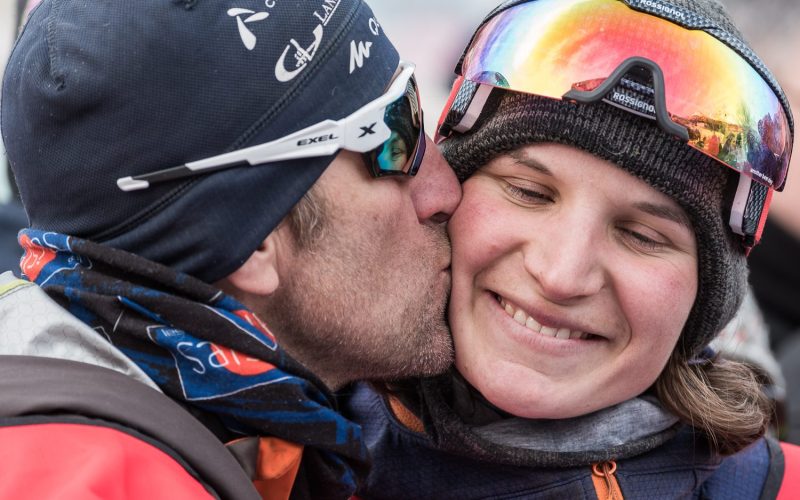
<point>460,97</point>
<point>749,210</point>
<point>464,107</point>
<point>739,204</point>
<point>763,220</point>
<point>473,112</point>
<point>754,212</point>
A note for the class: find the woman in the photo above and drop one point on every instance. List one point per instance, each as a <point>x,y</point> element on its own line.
<point>617,167</point>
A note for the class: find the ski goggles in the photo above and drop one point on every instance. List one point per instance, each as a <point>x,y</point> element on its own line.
<point>388,131</point>
<point>696,87</point>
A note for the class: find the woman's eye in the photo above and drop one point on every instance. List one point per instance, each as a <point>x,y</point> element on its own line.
<point>643,241</point>
<point>527,195</point>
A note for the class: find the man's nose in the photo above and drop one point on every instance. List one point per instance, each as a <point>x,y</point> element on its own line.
<point>435,191</point>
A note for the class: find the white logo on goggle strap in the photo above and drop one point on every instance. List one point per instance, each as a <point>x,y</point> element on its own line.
<point>633,103</point>
<point>302,56</point>
<point>670,11</point>
<point>247,16</point>
<point>358,53</point>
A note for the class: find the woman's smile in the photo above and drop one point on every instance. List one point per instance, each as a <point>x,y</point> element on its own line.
<point>572,281</point>
<point>525,319</point>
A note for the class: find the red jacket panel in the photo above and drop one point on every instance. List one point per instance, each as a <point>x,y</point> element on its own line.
<point>790,487</point>
<point>74,461</point>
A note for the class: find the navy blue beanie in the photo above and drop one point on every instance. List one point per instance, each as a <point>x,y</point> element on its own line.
<point>100,89</point>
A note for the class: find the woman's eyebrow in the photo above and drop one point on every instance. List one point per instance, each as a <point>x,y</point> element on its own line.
<point>664,212</point>
<point>533,163</point>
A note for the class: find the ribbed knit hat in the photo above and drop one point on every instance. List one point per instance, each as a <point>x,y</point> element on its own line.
<point>97,90</point>
<point>698,183</point>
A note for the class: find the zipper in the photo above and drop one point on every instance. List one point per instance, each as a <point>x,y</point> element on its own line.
<point>605,482</point>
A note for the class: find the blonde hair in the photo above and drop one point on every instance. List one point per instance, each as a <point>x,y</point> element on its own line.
<point>721,398</point>
<point>308,219</point>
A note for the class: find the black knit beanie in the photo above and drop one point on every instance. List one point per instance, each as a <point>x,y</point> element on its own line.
<point>699,184</point>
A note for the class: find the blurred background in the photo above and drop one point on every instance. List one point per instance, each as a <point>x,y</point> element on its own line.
<point>8,22</point>
<point>432,33</point>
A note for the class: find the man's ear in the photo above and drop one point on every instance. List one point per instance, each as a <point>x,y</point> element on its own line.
<point>259,274</point>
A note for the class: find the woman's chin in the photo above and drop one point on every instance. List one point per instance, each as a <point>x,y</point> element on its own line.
<point>528,394</point>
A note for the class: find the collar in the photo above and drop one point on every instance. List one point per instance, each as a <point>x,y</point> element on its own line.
<point>461,421</point>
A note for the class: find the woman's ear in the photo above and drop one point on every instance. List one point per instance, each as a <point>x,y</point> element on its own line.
<point>259,274</point>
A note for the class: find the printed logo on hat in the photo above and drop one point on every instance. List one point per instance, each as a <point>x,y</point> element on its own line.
<point>374,26</point>
<point>304,55</point>
<point>328,8</point>
<point>246,16</point>
<point>358,53</point>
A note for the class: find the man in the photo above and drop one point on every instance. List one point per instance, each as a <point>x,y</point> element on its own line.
<point>184,165</point>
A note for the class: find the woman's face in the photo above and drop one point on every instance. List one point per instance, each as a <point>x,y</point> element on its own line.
<point>572,281</point>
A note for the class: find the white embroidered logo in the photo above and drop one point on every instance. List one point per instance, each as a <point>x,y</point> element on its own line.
<point>374,27</point>
<point>358,53</point>
<point>302,56</point>
<point>328,9</point>
<point>248,38</point>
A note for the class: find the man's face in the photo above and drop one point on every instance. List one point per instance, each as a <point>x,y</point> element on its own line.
<point>366,299</point>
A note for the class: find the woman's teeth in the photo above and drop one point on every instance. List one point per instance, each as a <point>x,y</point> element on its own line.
<point>530,323</point>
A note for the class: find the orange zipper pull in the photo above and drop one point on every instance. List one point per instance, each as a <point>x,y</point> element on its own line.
<point>605,482</point>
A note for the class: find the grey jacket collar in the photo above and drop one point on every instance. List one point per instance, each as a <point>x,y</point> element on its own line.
<point>33,324</point>
<point>461,421</point>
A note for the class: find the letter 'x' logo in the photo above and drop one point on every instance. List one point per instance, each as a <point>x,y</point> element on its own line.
<point>368,130</point>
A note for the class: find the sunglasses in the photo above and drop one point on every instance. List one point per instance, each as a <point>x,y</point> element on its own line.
<point>695,87</point>
<point>388,131</point>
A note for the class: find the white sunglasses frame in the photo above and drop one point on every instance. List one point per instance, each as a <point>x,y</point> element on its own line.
<point>361,131</point>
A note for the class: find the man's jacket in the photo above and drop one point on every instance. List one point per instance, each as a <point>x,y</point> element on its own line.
<point>79,420</point>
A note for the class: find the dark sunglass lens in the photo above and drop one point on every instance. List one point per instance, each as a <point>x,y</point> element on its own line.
<point>400,154</point>
<point>393,154</point>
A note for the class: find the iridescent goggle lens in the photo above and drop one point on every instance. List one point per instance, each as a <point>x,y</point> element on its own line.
<point>549,47</point>
<point>402,152</point>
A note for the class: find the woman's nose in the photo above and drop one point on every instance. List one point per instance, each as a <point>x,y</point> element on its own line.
<point>566,259</point>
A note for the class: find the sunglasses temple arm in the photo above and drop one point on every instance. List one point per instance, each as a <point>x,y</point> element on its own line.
<point>321,139</point>
<point>139,182</point>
